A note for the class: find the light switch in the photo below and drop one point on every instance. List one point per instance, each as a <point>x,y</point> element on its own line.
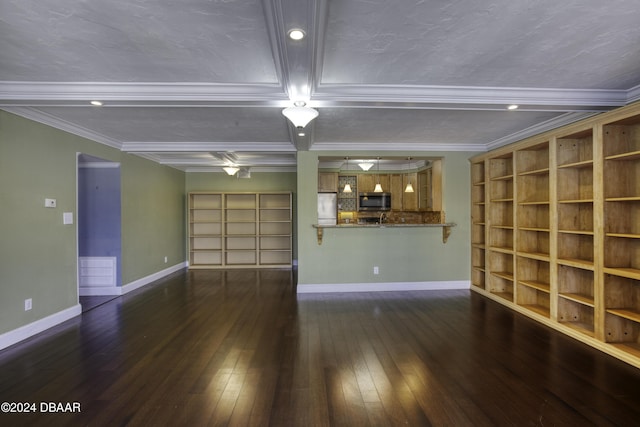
<point>67,218</point>
<point>49,203</point>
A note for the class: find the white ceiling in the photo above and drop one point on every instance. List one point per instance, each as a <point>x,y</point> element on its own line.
<point>185,83</point>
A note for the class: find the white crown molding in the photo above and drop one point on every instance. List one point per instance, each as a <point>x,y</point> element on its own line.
<point>273,20</point>
<point>256,161</point>
<point>463,96</point>
<point>539,128</point>
<point>296,60</point>
<point>14,93</point>
<point>204,146</point>
<point>49,120</point>
<point>633,94</point>
<point>392,146</point>
<point>396,164</point>
<point>63,93</point>
<point>215,169</point>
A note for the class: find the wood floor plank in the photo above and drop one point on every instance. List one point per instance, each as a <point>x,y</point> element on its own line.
<point>242,348</point>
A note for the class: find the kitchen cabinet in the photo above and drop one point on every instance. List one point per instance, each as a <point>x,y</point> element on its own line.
<point>401,201</point>
<point>327,182</point>
<point>429,184</point>
<point>396,189</point>
<point>367,182</point>
<point>410,200</point>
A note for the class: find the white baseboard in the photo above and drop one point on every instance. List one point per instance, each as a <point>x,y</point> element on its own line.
<point>100,290</point>
<point>26,331</point>
<point>31,329</point>
<point>137,284</point>
<point>383,287</point>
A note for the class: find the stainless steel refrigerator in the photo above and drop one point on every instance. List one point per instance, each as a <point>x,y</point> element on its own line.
<point>327,208</point>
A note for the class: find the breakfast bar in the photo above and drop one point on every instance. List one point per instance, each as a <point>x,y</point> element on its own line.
<point>446,228</point>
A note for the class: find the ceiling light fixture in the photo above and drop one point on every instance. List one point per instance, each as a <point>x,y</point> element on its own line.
<point>231,170</point>
<point>365,166</point>
<point>300,115</point>
<point>409,187</point>
<point>512,107</point>
<point>96,103</point>
<point>378,188</point>
<point>296,34</point>
<point>347,186</point>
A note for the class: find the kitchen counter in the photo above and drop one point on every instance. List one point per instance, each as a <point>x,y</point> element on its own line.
<point>446,227</point>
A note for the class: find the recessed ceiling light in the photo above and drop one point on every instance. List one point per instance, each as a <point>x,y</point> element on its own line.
<point>300,133</point>
<point>296,34</point>
<point>512,107</point>
<point>96,103</point>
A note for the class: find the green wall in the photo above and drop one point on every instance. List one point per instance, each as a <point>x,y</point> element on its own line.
<point>153,217</point>
<point>402,254</point>
<point>38,253</point>
<point>259,181</point>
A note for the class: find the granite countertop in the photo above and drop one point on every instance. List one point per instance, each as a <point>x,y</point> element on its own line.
<point>446,227</point>
<point>384,225</point>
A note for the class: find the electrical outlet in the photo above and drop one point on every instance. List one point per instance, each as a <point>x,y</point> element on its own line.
<point>376,270</point>
<point>28,304</point>
<point>166,259</point>
<point>49,203</point>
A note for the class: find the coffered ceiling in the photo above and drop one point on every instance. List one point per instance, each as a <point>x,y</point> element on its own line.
<point>197,84</point>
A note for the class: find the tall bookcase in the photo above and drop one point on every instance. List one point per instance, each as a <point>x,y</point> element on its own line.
<point>575,230</point>
<point>621,176</point>
<point>478,224</point>
<point>240,230</point>
<point>500,211</point>
<point>555,230</point>
<point>533,229</point>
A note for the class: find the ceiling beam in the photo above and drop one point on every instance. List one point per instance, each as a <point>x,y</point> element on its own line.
<point>347,96</point>
<point>467,97</point>
<point>208,146</point>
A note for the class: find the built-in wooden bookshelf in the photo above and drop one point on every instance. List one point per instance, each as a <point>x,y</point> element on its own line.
<point>205,229</point>
<point>478,224</point>
<point>500,227</point>
<point>622,233</point>
<point>555,230</point>
<point>240,230</point>
<point>533,228</point>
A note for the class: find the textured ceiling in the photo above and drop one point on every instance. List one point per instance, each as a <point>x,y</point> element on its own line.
<point>505,43</point>
<point>185,81</point>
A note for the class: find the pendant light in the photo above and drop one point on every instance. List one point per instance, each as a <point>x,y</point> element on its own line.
<point>300,115</point>
<point>347,186</point>
<point>231,170</point>
<point>378,188</point>
<point>409,187</point>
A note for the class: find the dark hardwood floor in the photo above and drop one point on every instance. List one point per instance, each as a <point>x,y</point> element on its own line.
<point>241,348</point>
<point>90,302</point>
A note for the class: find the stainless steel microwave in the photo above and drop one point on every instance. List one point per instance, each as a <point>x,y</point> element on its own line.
<point>374,201</point>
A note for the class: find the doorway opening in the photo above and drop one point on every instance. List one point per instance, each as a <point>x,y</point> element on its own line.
<point>99,231</point>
